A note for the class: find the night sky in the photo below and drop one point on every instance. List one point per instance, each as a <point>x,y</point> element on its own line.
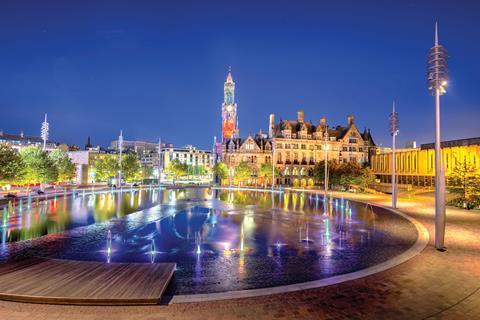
<point>154,68</point>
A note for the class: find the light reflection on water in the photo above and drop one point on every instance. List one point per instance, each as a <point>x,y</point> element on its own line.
<point>220,240</point>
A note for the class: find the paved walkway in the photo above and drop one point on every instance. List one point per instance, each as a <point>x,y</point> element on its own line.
<point>433,285</point>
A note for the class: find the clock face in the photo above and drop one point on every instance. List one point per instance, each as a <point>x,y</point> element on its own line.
<point>229,108</point>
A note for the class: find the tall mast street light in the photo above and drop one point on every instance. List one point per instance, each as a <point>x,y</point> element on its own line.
<point>44,132</point>
<point>120,147</point>
<point>394,128</point>
<point>326,162</point>
<point>437,74</point>
<point>159,161</point>
<point>273,164</point>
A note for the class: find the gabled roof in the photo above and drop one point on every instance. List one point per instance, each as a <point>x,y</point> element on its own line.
<point>261,142</point>
<point>338,132</point>
<point>295,127</point>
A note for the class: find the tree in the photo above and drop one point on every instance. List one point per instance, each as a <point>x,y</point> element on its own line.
<point>38,167</point>
<point>465,180</point>
<point>242,172</point>
<point>344,174</point>
<point>366,178</point>
<point>106,167</point>
<point>349,174</point>
<point>63,164</point>
<point>11,165</point>
<point>131,167</point>
<point>197,170</point>
<point>266,171</point>
<point>319,172</point>
<point>177,168</point>
<point>220,170</point>
<point>147,172</point>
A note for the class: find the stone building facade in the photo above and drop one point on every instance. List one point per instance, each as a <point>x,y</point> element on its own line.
<point>295,146</point>
<point>300,144</point>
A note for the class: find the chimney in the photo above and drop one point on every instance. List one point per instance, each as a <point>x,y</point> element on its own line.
<point>350,120</point>
<point>271,125</point>
<point>323,122</point>
<point>300,116</point>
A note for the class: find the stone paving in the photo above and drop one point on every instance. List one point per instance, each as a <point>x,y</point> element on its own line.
<point>433,285</point>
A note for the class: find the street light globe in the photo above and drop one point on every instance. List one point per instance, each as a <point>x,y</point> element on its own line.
<point>444,83</point>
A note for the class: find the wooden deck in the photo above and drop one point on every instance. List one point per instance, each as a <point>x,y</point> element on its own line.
<point>54,281</point>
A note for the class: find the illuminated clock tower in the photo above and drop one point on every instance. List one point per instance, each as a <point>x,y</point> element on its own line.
<point>229,109</point>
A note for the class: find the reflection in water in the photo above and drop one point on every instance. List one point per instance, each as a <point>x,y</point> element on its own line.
<point>59,214</point>
<point>220,240</point>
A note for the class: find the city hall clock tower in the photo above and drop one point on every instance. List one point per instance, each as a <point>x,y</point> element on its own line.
<point>229,109</point>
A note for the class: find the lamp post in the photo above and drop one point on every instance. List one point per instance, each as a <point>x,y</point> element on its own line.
<point>120,147</point>
<point>230,175</point>
<point>326,162</point>
<point>437,73</point>
<point>159,161</point>
<point>44,132</point>
<point>273,164</point>
<point>394,131</point>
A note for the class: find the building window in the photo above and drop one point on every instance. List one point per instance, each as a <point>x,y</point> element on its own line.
<point>249,146</point>
<point>304,146</point>
<point>352,140</point>
<point>279,146</point>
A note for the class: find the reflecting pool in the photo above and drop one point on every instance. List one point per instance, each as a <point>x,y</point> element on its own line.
<point>221,240</point>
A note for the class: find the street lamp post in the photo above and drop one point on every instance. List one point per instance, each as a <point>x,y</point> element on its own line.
<point>230,173</point>
<point>326,162</point>
<point>394,128</point>
<point>273,165</point>
<point>44,132</point>
<point>437,71</point>
<point>120,147</point>
<point>159,161</point>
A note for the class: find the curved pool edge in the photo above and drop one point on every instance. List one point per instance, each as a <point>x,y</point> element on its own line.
<point>422,241</point>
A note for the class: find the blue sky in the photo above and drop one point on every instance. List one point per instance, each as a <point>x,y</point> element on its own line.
<point>156,68</point>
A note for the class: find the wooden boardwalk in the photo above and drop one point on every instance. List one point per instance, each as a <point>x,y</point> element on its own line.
<point>40,280</point>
